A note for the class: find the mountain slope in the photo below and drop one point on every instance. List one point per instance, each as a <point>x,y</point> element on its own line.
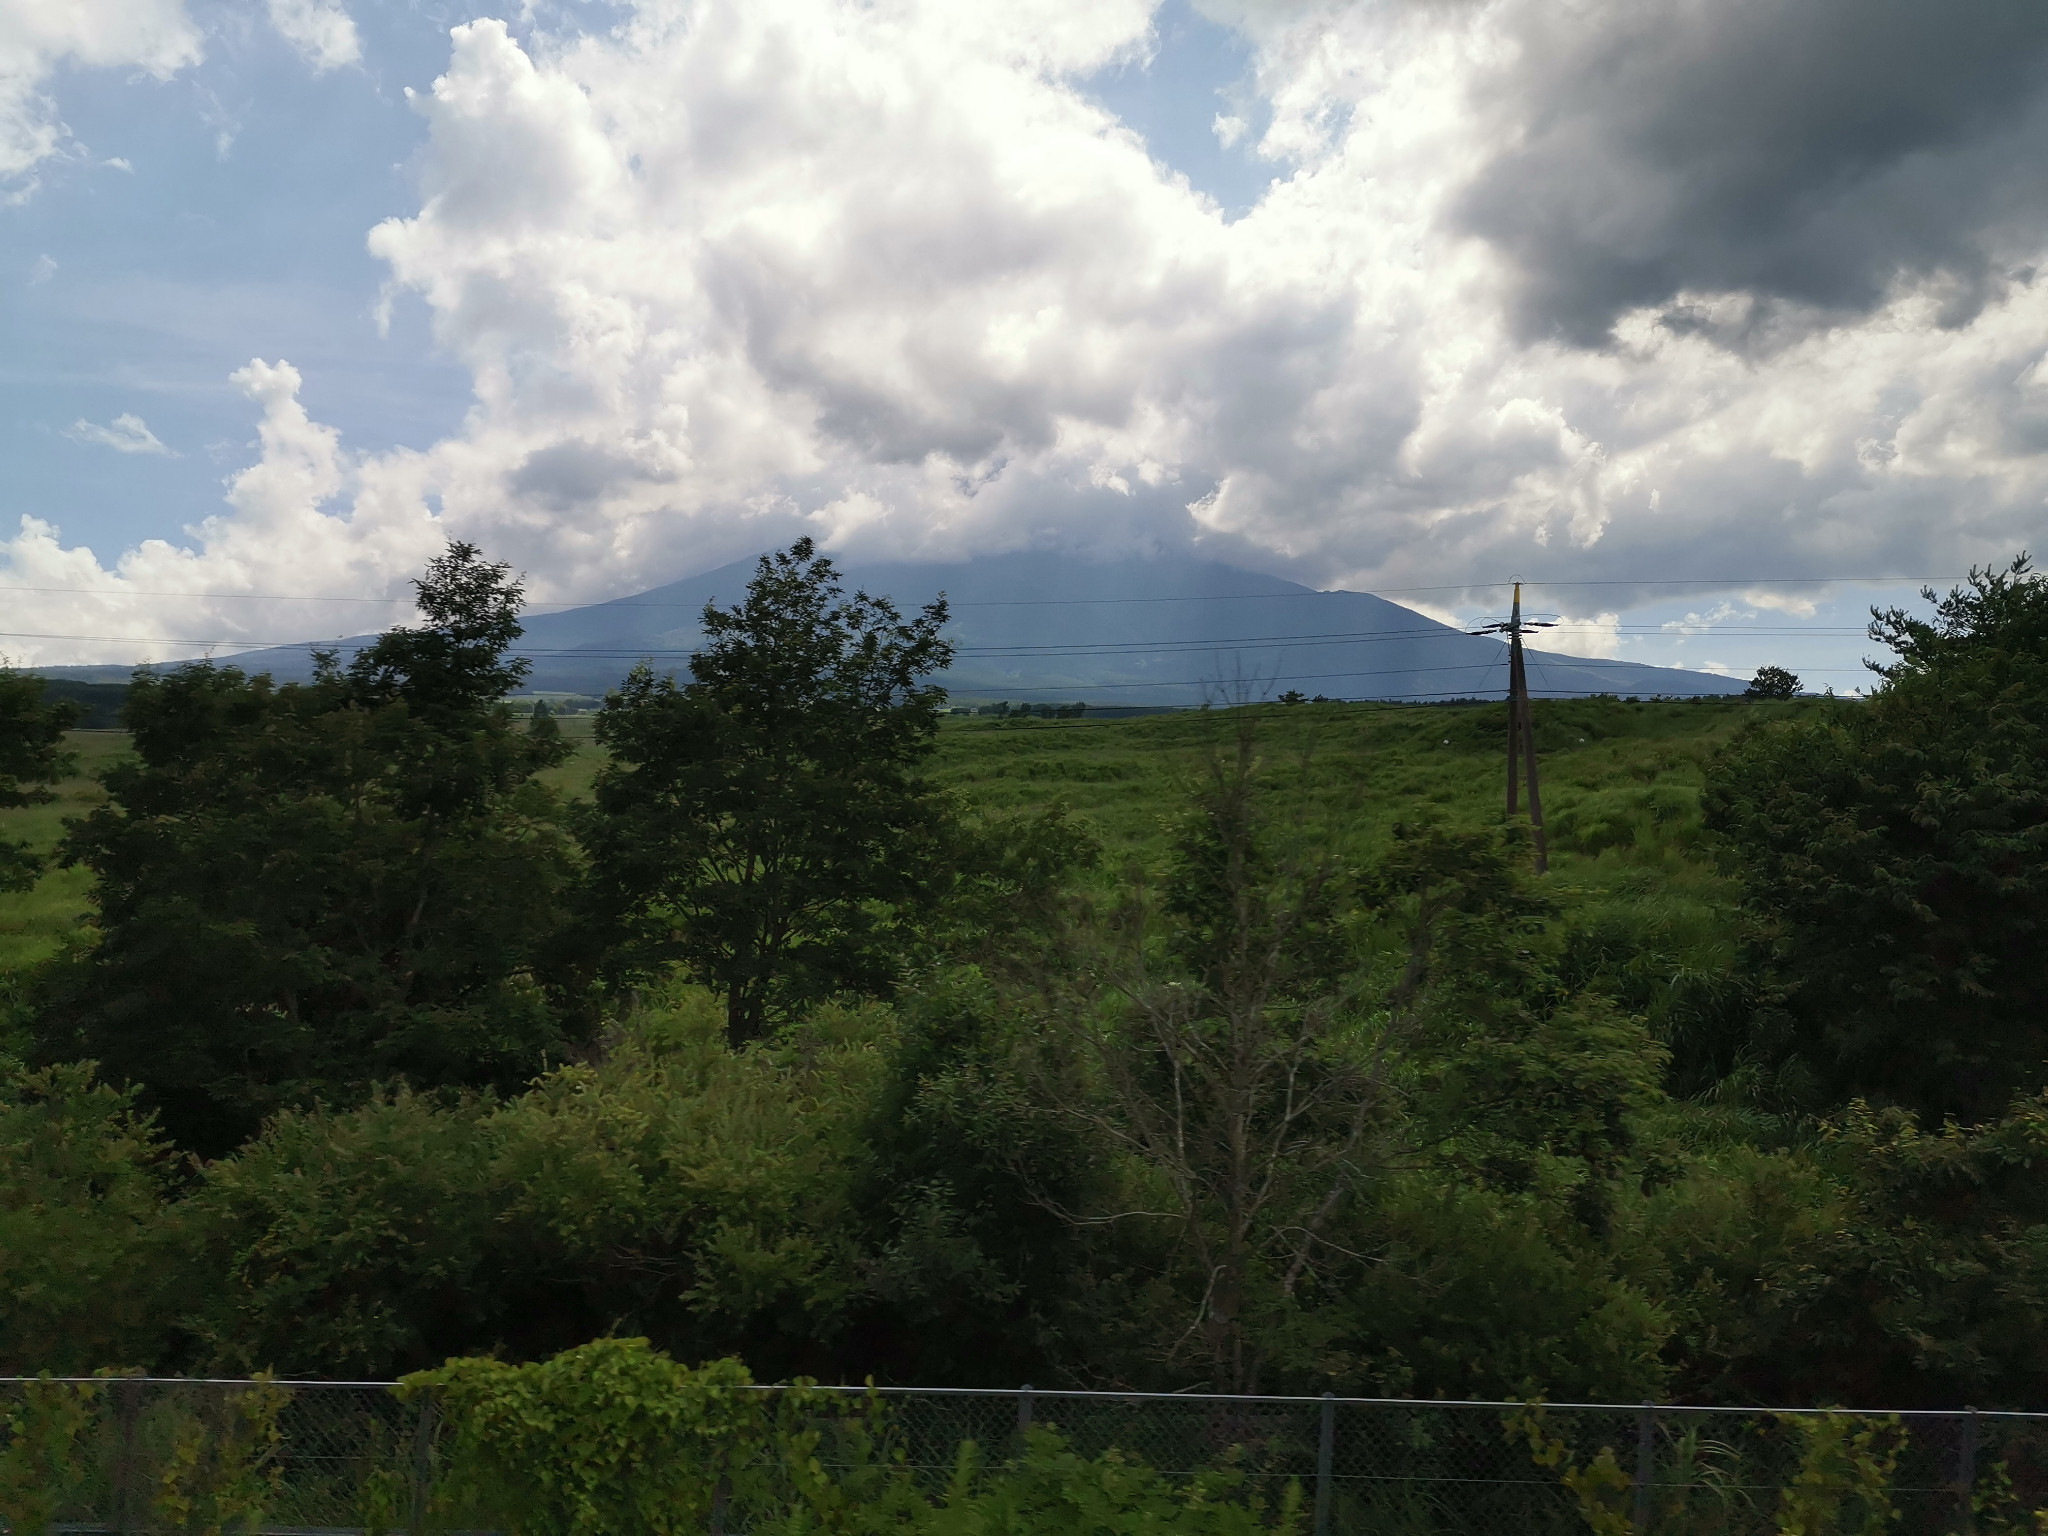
<point>1038,627</point>
<point>1044,627</point>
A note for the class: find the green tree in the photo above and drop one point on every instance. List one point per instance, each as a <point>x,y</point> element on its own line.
<point>1772,683</point>
<point>304,891</point>
<point>767,823</point>
<point>89,1253</point>
<point>1896,855</point>
<point>32,757</point>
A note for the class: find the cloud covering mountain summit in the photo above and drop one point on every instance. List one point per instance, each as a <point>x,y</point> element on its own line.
<point>1638,291</point>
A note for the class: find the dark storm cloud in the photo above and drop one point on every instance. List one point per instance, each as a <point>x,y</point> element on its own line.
<point>1805,152</point>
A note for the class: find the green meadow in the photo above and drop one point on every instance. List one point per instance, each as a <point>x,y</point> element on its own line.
<point>1620,783</point>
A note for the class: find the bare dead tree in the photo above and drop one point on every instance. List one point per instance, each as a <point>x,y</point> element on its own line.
<point>1250,1075</point>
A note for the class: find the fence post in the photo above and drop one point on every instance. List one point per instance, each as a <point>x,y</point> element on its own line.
<point>127,1490</point>
<point>1966,1472</point>
<point>1326,1448</point>
<point>1646,1463</point>
<point>1023,1415</point>
<point>422,1464</point>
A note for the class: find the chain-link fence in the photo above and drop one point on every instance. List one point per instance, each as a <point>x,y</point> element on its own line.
<point>148,1455</point>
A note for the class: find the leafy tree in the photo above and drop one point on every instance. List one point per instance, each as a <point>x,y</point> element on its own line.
<point>303,891</point>
<point>1251,1075</point>
<point>1877,1263</point>
<point>1896,855</point>
<point>1478,1291</point>
<point>89,1253</point>
<point>1772,683</point>
<point>767,823</point>
<point>977,1277</point>
<point>32,757</point>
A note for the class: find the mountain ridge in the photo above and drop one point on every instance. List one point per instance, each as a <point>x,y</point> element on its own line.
<point>1037,626</point>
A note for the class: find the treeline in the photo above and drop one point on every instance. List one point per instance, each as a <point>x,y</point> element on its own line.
<point>381,1052</point>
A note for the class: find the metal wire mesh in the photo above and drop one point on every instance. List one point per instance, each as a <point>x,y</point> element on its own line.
<point>141,1455</point>
<point>115,1455</point>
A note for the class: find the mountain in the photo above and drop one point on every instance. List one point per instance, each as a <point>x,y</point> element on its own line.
<point>1047,628</point>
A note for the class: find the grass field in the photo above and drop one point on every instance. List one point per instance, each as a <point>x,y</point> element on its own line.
<point>1620,783</point>
<point>34,923</point>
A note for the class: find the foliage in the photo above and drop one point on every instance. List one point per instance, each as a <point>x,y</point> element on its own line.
<point>1936,1282</point>
<point>612,1439</point>
<point>88,1249</point>
<point>1004,891</point>
<point>1846,1466</point>
<point>765,822</point>
<point>1052,1490</point>
<point>32,757</point>
<point>699,1194</point>
<point>1267,1074</point>
<point>221,1470</point>
<point>352,1242</point>
<point>1478,1292</point>
<point>1238,1075</point>
<point>1601,1489</point>
<point>1898,857</point>
<point>675,1188</point>
<point>42,1467</point>
<point>1185,1057</point>
<point>616,1439</point>
<point>1772,683</point>
<point>976,1276</point>
<point>1998,1509</point>
<point>307,890</point>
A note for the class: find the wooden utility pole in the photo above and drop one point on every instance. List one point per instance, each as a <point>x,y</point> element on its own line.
<point>1521,722</point>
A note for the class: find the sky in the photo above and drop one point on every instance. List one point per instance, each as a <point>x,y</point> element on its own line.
<point>1694,313</point>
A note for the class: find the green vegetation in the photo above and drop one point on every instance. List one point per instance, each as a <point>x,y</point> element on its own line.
<point>1239,1049</point>
<point>304,891</point>
<point>37,922</point>
<point>614,1437</point>
<point>765,823</point>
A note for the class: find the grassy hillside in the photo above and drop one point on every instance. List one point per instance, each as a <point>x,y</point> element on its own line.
<point>1621,786</point>
<point>34,923</point>
<point>1620,782</point>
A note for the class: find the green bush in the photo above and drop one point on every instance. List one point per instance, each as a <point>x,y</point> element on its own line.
<point>1053,1490</point>
<point>617,1439</point>
<point>41,1466</point>
<point>219,1469</point>
<point>610,1439</point>
<point>88,1243</point>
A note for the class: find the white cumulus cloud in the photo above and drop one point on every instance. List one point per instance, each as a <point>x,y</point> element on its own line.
<point>37,36</point>
<point>322,31</point>
<point>305,519</point>
<point>1596,635</point>
<point>739,269</point>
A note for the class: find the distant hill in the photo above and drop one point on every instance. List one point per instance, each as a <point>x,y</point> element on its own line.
<point>99,704</point>
<point>1039,627</point>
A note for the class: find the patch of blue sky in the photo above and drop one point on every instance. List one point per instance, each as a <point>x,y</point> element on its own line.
<point>192,225</point>
<point>1198,73</point>
<point>1821,633</point>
